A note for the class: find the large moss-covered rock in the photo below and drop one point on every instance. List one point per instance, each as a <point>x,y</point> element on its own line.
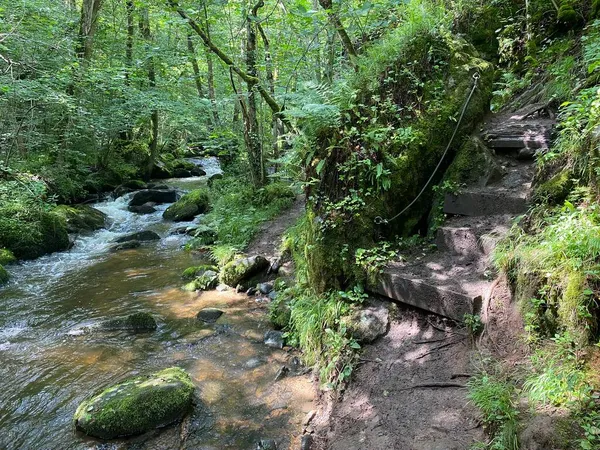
<point>81,218</point>
<point>4,276</point>
<point>137,405</point>
<point>6,257</point>
<point>29,232</point>
<point>187,207</point>
<point>153,195</point>
<point>241,269</point>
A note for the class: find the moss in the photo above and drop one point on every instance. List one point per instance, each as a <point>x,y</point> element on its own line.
<point>191,204</point>
<point>571,306</point>
<point>241,269</point>
<point>4,276</point>
<point>137,405</point>
<point>567,16</point>
<point>595,13</point>
<point>556,189</point>
<point>195,271</point>
<point>29,232</point>
<point>208,279</point>
<point>80,218</point>
<point>6,257</point>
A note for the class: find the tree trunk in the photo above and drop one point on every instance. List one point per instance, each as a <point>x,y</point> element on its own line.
<point>129,42</point>
<point>154,115</point>
<point>252,132</point>
<point>211,72</point>
<point>316,28</point>
<point>229,62</point>
<point>329,70</point>
<point>194,62</point>
<point>341,31</point>
<point>90,10</point>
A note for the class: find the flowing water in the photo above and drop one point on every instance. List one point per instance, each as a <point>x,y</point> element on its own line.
<point>49,362</point>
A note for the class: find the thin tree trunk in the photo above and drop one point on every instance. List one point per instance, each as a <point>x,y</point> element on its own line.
<point>210,72</point>
<point>270,74</point>
<point>316,28</point>
<point>194,62</point>
<point>339,27</point>
<point>252,133</point>
<point>154,115</point>
<point>129,42</point>
<point>90,10</point>
<point>229,62</point>
<point>329,70</point>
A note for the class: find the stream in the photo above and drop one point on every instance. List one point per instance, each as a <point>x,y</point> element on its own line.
<point>49,363</point>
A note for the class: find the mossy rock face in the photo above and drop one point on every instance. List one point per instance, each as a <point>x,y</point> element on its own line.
<point>187,207</point>
<point>556,189</point>
<point>30,233</point>
<point>241,269</point>
<point>195,271</point>
<point>207,279</point>
<point>568,17</point>
<point>81,218</point>
<point>6,257</point>
<point>137,405</point>
<point>4,276</point>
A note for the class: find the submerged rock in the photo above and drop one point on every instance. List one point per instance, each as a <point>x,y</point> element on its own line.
<point>129,245</point>
<point>209,315</point>
<point>139,236</point>
<point>274,339</point>
<point>137,405</point>
<point>81,218</point>
<point>241,269</point>
<point>153,195</point>
<point>137,322</point>
<point>187,207</point>
<point>146,208</point>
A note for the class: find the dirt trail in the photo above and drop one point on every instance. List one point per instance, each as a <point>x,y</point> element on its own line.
<point>408,392</point>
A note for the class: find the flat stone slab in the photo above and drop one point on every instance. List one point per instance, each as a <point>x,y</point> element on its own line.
<point>484,204</point>
<point>428,297</point>
<point>472,236</point>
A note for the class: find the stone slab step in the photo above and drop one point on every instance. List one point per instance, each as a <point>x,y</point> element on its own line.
<point>428,296</point>
<point>441,283</point>
<point>472,236</point>
<point>484,203</point>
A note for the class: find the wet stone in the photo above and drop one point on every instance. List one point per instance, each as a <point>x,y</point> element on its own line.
<point>306,442</point>
<point>209,315</point>
<point>274,339</point>
<point>265,288</point>
<point>126,246</point>
<point>266,444</point>
<point>140,236</point>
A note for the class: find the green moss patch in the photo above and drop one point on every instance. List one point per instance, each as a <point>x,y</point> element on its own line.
<point>6,257</point>
<point>80,218</point>
<point>137,405</point>
<point>241,269</point>
<point>187,207</point>
<point>4,276</point>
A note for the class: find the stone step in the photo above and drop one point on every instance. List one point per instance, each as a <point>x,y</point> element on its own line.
<point>515,134</point>
<point>485,203</point>
<point>450,296</point>
<point>472,236</point>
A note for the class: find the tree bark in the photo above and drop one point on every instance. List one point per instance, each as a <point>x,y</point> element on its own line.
<point>194,62</point>
<point>154,115</point>
<point>90,10</point>
<point>211,72</point>
<point>129,42</point>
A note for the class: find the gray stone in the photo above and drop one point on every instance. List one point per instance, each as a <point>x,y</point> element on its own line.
<point>129,245</point>
<point>146,208</point>
<point>306,442</point>
<point>209,315</point>
<point>153,195</point>
<point>137,322</point>
<point>274,339</point>
<point>265,288</point>
<point>369,323</point>
<point>266,444</point>
<point>141,236</point>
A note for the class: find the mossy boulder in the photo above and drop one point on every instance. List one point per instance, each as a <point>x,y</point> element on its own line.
<point>4,276</point>
<point>81,218</point>
<point>242,269</point>
<point>208,279</point>
<point>568,18</point>
<point>141,236</point>
<point>153,195</point>
<point>6,257</point>
<point>187,207</point>
<point>556,189</point>
<point>136,322</point>
<point>195,271</point>
<point>137,405</point>
<point>274,192</point>
<point>29,232</point>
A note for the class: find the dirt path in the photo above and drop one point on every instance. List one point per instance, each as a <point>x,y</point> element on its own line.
<point>268,241</point>
<point>408,392</point>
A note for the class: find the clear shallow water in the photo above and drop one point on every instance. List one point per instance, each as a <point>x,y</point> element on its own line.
<point>48,366</point>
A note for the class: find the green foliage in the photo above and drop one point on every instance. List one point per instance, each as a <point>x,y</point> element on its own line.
<point>473,323</point>
<point>559,376</point>
<point>6,257</point>
<point>316,325</point>
<point>495,397</point>
<point>373,260</point>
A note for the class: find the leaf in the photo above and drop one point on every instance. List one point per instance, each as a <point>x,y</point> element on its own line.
<point>320,167</point>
